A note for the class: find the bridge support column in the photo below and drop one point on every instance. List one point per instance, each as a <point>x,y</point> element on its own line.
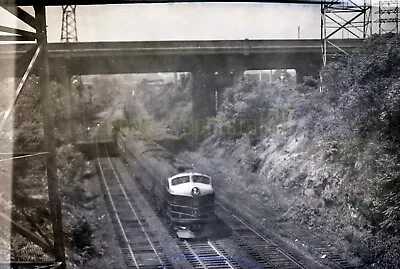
<point>308,65</point>
<point>203,95</point>
<point>207,92</point>
<point>306,70</point>
<point>67,96</point>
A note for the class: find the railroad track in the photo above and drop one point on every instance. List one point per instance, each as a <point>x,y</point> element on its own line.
<point>333,256</point>
<point>258,246</point>
<point>319,246</point>
<point>199,254</point>
<point>138,248</point>
<point>143,253</point>
<point>206,255</point>
<point>261,249</point>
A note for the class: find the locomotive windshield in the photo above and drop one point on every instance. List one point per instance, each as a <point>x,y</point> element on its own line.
<point>180,180</point>
<point>201,179</point>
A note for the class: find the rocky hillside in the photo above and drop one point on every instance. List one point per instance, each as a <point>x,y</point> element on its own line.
<point>327,152</point>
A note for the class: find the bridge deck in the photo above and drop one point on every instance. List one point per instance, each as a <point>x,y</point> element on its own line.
<point>82,49</point>
<point>178,56</point>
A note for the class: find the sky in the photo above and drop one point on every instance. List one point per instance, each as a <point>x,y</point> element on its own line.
<point>185,21</point>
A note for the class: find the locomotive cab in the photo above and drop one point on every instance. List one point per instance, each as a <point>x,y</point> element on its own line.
<point>190,200</point>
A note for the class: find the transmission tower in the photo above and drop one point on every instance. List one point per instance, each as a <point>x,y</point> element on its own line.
<point>69,33</point>
<point>388,16</point>
<point>68,28</point>
<point>344,19</point>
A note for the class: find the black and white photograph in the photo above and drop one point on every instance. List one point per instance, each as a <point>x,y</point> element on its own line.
<point>200,134</point>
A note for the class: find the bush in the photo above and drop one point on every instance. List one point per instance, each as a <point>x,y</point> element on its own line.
<point>388,194</point>
<point>95,97</point>
<point>366,88</point>
<point>82,234</point>
<point>243,111</point>
<point>69,162</point>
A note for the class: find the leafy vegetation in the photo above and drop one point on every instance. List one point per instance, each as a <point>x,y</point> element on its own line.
<point>365,90</point>
<point>168,103</point>
<point>327,150</point>
<point>84,241</point>
<point>346,128</point>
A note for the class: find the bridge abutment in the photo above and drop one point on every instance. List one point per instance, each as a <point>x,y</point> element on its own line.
<point>203,94</point>
<point>309,66</point>
<point>207,95</point>
<point>65,78</point>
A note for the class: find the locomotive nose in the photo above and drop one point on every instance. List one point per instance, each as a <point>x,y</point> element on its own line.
<point>195,191</point>
<point>196,212</point>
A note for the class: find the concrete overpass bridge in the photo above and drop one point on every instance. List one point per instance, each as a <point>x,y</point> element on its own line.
<point>201,58</point>
<point>181,56</point>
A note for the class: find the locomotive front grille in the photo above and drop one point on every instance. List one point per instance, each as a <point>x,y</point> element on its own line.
<point>192,201</point>
<point>192,211</point>
<point>191,207</point>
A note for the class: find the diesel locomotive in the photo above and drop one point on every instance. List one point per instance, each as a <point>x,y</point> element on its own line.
<point>184,196</point>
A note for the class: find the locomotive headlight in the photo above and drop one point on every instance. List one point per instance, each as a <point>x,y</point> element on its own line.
<point>196,212</point>
<point>195,191</point>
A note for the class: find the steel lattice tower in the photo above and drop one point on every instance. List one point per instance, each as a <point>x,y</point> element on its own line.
<point>68,28</point>
<point>344,19</point>
<point>69,33</point>
<point>388,16</point>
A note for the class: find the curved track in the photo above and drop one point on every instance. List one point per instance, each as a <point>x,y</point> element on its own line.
<point>254,241</point>
<point>137,245</point>
<point>261,249</point>
<point>334,257</point>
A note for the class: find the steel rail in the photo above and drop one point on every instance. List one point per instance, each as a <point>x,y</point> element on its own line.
<point>114,209</point>
<point>194,254</point>
<point>115,212</point>
<point>258,234</point>
<point>206,255</point>
<point>220,254</point>
<point>318,244</point>
<point>261,236</point>
<point>132,209</point>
